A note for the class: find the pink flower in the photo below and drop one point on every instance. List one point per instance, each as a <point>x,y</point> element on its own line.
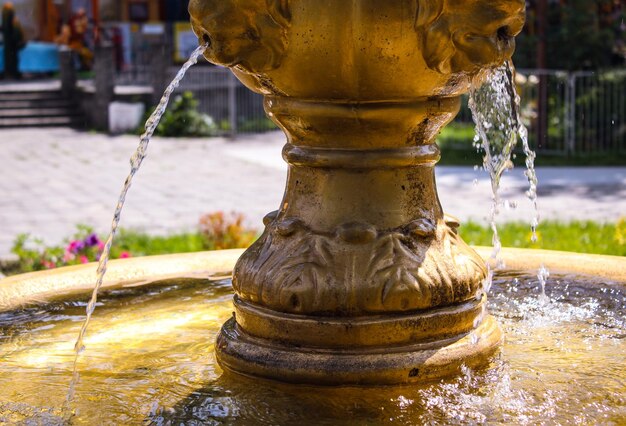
<point>75,246</point>
<point>83,259</point>
<point>125,255</point>
<point>48,264</point>
<point>100,246</point>
<point>68,257</point>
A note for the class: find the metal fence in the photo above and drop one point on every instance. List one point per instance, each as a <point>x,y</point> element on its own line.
<point>232,107</point>
<point>566,112</point>
<point>135,74</point>
<point>571,113</point>
<point>597,112</point>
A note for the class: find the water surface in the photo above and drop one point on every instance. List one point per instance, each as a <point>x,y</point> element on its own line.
<point>151,360</point>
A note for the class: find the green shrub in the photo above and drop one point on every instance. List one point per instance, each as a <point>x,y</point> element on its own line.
<point>220,231</point>
<point>182,119</point>
<point>457,135</point>
<point>257,125</point>
<point>216,231</point>
<point>83,247</point>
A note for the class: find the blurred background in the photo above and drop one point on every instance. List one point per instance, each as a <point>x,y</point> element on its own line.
<point>570,58</point>
<point>136,46</point>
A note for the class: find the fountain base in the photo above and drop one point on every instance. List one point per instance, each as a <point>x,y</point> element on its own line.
<point>379,350</point>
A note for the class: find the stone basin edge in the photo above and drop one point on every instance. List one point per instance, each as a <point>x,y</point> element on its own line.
<point>46,286</point>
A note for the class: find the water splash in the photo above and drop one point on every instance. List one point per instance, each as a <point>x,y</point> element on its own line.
<point>543,276</point>
<point>495,107</point>
<point>135,163</point>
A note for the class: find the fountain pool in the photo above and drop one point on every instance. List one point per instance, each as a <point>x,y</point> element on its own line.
<point>151,360</point>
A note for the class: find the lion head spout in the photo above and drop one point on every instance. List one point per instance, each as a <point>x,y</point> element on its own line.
<point>249,35</point>
<point>464,36</point>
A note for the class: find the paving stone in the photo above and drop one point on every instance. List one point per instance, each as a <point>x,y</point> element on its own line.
<point>53,179</point>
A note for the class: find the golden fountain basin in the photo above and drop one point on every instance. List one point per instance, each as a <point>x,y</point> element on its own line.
<point>150,352</point>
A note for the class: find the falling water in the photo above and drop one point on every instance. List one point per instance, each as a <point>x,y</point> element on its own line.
<point>495,107</point>
<point>522,131</point>
<point>496,133</point>
<point>135,163</point>
<point>543,276</point>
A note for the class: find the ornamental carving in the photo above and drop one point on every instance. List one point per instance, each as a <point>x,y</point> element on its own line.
<point>357,269</point>
<point>468,35</point>
<point>248,35</point>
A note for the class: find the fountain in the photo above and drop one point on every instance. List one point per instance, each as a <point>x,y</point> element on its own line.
<point>359,258</point>
<point>359,279</point>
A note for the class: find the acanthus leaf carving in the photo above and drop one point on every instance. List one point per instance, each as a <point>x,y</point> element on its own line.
<point>400,270</point>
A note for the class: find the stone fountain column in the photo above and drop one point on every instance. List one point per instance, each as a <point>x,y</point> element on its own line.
<point>359,278</point>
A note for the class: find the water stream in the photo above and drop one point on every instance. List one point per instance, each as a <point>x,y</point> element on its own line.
<point>495,106</point>
<point>135,163</point>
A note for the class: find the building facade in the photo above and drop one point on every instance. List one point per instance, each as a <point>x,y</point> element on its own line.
<point>42,19</point>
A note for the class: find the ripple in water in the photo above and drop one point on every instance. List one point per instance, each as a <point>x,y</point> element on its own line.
<point>151,361</point>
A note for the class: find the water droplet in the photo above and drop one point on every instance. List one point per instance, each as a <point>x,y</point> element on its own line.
<point>474,339</point>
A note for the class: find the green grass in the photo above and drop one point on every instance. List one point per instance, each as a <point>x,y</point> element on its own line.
<point>457,135</point>
<point>457,149</point>
<point>142,244</point>
<point>578,236</point>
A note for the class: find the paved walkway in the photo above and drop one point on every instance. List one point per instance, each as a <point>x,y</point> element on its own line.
<point>53,179</point>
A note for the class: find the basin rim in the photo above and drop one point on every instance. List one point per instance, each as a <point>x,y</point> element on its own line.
<point>45,286</point>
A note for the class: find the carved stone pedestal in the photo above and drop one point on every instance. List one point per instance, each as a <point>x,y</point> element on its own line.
<point>359,278</point>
